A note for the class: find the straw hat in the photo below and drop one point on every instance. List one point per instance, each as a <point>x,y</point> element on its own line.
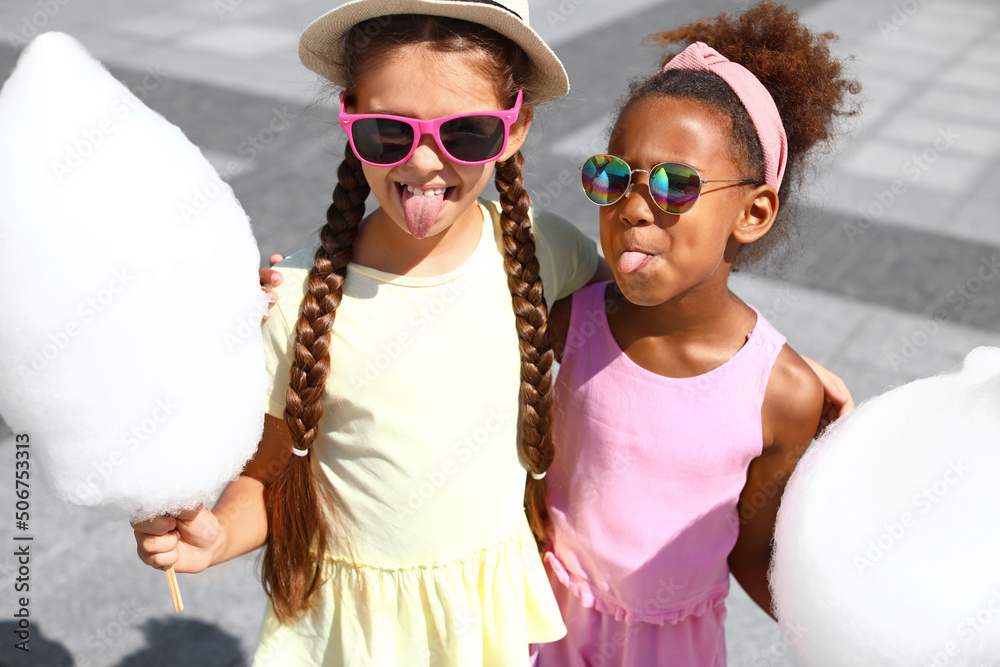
<point>322,43</point>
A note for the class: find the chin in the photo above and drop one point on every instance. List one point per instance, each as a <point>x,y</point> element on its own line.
<point>641,292</point>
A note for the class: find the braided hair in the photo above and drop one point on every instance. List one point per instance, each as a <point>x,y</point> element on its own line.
<point>297,506</point>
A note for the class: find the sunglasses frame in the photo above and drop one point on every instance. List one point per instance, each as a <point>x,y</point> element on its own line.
<point>649,175</point>
<point>433,128</point>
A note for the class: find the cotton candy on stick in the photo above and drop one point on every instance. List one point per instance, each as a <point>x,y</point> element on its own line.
<point>888,538</point>
<point>130,347</point>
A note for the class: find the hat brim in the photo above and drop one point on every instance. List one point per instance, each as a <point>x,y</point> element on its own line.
<point>321,45</point>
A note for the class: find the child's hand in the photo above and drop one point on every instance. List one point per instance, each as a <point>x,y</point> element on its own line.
<point>188,541</point>
<point>837,400</point>
<point>270,278</point>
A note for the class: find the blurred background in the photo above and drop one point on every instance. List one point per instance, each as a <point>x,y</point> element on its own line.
<point>893,276</point>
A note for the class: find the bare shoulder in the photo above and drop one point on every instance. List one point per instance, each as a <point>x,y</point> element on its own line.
<point>793,400</point>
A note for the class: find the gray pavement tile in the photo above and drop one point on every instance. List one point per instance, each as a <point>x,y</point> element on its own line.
<point>241,41</point>
<point>902,268</point>
<point>978,219</point>
<point>753,639</point>
<point>920,130</point>
<point>816,326</point>
<point>166,26</point>
<point>900,350</point>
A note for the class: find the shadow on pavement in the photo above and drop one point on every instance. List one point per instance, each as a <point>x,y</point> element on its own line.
<point>168,643</point>
<point>43,651</point>
<point>185,642</point>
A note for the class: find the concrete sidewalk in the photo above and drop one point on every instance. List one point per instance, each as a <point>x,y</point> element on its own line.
<point>895,275</point>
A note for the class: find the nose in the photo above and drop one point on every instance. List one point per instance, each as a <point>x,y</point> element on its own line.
<point>427,156</point>
<point>635,207</point>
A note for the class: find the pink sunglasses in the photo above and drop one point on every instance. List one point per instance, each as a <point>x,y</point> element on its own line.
<point>382,140</point>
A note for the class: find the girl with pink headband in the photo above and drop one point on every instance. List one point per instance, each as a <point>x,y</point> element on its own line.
<point>680,411</point>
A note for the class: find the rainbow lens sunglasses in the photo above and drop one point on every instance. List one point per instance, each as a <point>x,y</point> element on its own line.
<point>674,186</point>
<point>386,141</point>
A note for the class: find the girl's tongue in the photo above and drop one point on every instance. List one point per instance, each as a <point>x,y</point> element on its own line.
<point>421,211</point>
<point>632,261</point>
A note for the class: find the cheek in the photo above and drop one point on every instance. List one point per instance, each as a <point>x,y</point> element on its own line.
<point>474,177</point>
<point>376,176</point>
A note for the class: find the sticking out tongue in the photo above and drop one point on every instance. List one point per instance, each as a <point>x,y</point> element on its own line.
<point>631,261</point>
<point>421,211</point>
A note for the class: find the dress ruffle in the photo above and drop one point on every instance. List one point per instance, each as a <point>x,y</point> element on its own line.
<point>481,609</point>
<point>591,599</point>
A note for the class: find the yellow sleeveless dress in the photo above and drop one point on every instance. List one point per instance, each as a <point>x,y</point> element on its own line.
<point>435,564</point>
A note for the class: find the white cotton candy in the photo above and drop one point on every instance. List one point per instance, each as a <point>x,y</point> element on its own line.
<point>130,344</point>
<point>888,539</point>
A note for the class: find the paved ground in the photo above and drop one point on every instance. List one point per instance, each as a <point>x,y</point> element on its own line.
<point>900,227</point>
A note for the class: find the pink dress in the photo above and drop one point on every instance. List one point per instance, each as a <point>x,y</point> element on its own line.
<point>643,494</point>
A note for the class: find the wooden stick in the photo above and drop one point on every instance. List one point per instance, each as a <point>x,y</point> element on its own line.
<point>175,592</point>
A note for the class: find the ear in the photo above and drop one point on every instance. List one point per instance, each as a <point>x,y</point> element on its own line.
<point>757,216</point>
<point>518,132</point>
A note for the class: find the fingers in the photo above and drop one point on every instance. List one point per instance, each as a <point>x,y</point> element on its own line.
<point>836,392</point>
<point>270,278</point>
<point>159,551</point>
<point>160,540</point>
<point>158,525</point>
<point>156,541</point>
<point>848,406</point>
<point>189,514</point>
<point>198,528</point>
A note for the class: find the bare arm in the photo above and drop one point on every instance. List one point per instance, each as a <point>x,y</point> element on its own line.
<point>199,538</point>
<point>791,412</point>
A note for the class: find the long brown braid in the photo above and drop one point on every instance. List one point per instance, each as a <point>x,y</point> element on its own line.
<point>525,286</point>
<point>297,506</point>
<point>295,502</point>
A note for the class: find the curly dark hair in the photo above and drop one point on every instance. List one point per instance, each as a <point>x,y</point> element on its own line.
<point>808,84</point>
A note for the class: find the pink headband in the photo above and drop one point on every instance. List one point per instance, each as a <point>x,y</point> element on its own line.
<point>754,96</point>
